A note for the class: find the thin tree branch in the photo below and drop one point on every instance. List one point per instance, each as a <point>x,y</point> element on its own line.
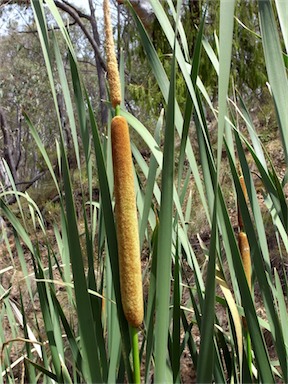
<point>49,29</point>
<point>27,184</point>
<point>81,14</point>
<point>75,15</point>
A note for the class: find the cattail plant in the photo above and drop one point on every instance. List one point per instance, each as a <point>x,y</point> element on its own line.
<point>125,199</point>
<point>125,203</point>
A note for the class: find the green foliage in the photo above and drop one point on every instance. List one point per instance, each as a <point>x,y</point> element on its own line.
<point>79,332</point>
<point>247,63</point>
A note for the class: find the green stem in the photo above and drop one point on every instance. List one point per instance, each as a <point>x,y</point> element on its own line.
<point>117,110</point>
<point>249,352</point>
<point>135,350</point>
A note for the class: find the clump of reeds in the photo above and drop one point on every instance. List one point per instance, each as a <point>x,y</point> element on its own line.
<point>125,199</point>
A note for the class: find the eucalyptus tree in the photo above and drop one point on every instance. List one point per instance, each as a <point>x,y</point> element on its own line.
<point>23,85</point>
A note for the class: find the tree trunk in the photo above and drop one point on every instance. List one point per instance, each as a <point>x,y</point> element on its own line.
<point>100,71</point>
<point>9,153</point>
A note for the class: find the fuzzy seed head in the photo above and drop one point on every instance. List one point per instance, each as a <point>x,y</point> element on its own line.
<point>245,254</point>
<point>243,186</point>
<point>112,66</point>
<point>126,223</point>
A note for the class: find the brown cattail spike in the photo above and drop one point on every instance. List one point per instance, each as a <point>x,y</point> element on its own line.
<point>245,254</point>
<point>243,243</point>
<point>126,223</point>
<point>112,66</point>
<point>243,186</point>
